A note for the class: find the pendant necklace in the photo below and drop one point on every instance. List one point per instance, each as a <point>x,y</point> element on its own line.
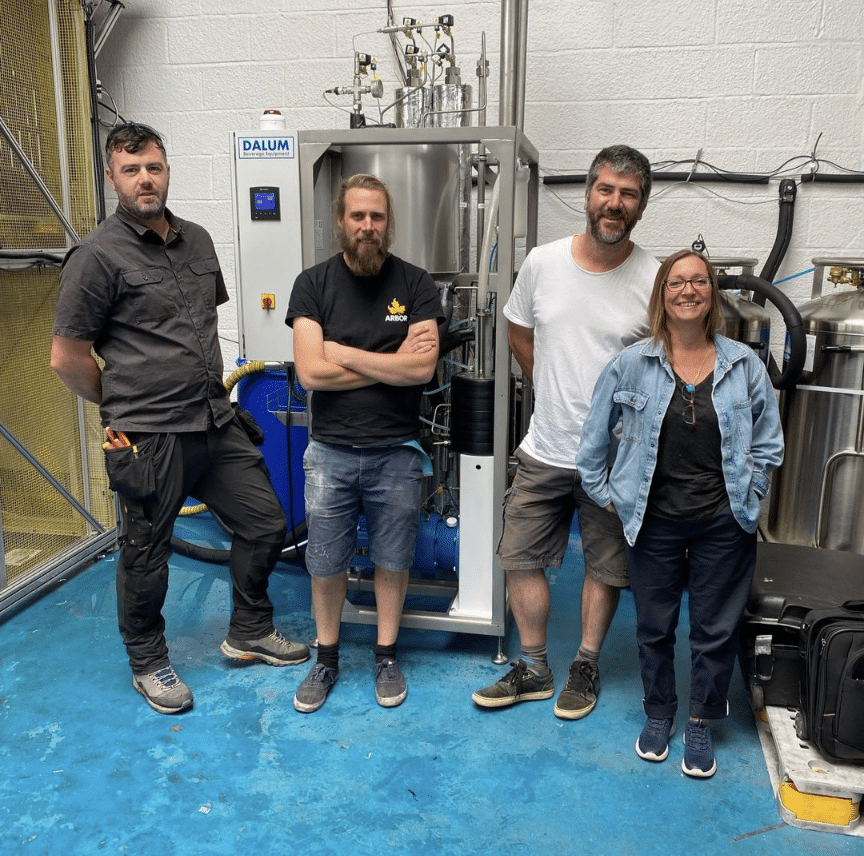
<point>690,387</point>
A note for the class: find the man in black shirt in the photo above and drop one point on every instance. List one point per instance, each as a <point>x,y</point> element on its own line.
<point>141,290</point>
<point>365,342</point>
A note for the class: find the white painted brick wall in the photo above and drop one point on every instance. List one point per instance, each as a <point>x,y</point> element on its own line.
<point>750,84</point>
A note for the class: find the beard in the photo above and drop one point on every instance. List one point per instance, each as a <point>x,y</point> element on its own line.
<point>365,256</point>
<point>619,234</point>
<point>143,211</point>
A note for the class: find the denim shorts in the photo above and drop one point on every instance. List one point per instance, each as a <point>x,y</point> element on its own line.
<point>386,481</point>
<point>538,512</point>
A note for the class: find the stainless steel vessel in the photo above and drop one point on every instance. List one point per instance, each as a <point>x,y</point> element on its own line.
<point>743,320</point>
<point>746,322</point>
<point>816,494</point>
<point>430,185</point>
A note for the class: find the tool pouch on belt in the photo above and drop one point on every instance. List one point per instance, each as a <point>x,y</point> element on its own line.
<point>248,424</point>
<point>130,470</point>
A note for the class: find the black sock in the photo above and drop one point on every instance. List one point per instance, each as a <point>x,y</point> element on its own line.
<point>385,652</point>
<point>328,655</point>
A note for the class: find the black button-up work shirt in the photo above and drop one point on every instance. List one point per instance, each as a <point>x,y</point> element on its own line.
<point>149,307</point>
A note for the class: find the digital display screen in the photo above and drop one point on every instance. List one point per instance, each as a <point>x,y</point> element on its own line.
<point>265,201</point>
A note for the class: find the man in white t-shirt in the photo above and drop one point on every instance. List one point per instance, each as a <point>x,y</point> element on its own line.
<point>576,303</point>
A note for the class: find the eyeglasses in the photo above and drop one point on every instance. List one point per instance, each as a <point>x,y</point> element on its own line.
<point>677,284</point>
<point>688,393</point>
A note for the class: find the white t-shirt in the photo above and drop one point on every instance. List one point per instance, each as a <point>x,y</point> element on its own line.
<point>580,321</point>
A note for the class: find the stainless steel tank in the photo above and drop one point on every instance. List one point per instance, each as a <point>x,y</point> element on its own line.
<point>743,320</point>
<point>816,495</point>
<point>746,322</point>
<point>430,185</point>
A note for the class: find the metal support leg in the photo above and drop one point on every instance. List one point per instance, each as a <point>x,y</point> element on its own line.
<point>500,658</point>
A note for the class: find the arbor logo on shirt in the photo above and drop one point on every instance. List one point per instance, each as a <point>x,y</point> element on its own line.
<point>397,311</point>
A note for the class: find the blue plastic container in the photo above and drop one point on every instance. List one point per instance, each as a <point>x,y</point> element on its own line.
<point>266,396</point>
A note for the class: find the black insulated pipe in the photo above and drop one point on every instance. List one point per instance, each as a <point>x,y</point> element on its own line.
<point>791,318</point>
<point>788,190</point>
<point>692,177</point>
<point>833,178</point>
<point>727,177</point>
<point>293,550</point>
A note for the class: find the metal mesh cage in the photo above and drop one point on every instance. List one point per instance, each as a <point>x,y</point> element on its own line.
<point>45,105</point>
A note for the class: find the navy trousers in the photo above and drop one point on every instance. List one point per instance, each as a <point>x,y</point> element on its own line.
<point>715,559</point>
<point>222,468</point>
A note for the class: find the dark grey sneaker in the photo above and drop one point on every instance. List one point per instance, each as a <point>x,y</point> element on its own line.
<point>653,742</point>
<point>163,690</point>
<point>312,693</point>
<point>274,650</point>
<point>519,684</point>
<point>390,686</point>
<point>579,696</point>
<point>698,751</point>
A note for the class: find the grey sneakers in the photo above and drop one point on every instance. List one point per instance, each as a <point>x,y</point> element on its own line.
<point>163,690</point>
<point>274,650</point>
<point>312,693</point>
<point>166,693</point>
<point>390,686</point>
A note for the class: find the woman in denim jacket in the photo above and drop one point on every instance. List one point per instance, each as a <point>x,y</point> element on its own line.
<point>699,436</point>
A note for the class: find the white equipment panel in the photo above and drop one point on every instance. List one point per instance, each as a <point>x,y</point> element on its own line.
<point>265,191</point>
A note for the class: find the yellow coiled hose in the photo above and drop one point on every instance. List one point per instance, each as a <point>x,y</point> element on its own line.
<point>250,368</point>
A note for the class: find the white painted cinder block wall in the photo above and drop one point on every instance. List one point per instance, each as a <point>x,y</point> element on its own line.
<point>753,85</point>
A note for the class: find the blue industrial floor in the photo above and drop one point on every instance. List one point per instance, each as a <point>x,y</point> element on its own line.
<point>87,767</point>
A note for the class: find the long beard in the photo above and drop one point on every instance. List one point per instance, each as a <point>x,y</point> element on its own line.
<point>364,256</point>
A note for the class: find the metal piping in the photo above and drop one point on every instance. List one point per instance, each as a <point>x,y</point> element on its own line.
<point>521,51</point>
<point>507,63</point>
<point>107,25</point>
<point>514,38</point>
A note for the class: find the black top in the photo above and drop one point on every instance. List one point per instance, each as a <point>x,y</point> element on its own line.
<point>373,314</point>
<point>688,481</point>
<point>149,307</point>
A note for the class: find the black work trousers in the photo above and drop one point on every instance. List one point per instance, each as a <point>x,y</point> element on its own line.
<point>222,468</point>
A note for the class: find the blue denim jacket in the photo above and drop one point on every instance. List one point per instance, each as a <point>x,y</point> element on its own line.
<point>636,388</point>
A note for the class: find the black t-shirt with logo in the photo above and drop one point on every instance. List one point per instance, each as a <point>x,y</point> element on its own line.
<point>373,314</point>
